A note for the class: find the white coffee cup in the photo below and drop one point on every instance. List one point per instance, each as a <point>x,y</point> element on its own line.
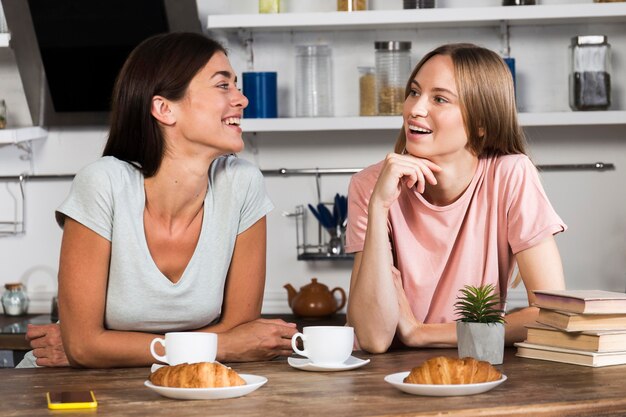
<point>186,347</point>
<point>325,345</point>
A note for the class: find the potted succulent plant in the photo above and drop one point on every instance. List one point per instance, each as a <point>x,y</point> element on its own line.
<point>480,326</point>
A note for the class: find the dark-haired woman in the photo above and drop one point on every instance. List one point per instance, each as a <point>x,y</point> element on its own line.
<point>458,203</point>
<point>167,232</point>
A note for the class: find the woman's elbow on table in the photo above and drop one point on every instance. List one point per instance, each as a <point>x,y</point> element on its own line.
<point>80,354</point>
<point>373,343</point>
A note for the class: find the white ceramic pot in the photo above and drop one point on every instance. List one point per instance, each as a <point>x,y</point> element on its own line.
<point>483,341</point>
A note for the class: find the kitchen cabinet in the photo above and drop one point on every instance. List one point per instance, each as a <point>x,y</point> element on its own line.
<point>532,32</point>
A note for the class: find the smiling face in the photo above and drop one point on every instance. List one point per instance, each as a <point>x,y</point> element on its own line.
<point>210,112</point>
<point>433,122</point>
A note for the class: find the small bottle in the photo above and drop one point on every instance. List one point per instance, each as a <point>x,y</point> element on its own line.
<point>393,67</point>
<point>351,5</point>
<point>367,91</point>
<point>590,74</point>
<point>314,94</point>
<point>3,114</point>
<point>14,299</point>
<point>269,6</point>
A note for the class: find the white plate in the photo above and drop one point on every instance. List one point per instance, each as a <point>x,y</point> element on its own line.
<point>440,390</point>
<point>253,383</point>
<point>306,365</point>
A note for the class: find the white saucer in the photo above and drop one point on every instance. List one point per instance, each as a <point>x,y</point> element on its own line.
<point>306,365</point>
<point>440,390</point>
<point>253,383</point>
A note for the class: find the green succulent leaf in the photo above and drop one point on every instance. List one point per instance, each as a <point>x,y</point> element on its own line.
<point>479,305</point>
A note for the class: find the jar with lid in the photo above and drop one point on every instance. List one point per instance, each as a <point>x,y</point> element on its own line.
<point>14,299</point>
<point>590,74</point>
<point>314,94</point>
<point>418,4</point>
<point>393,67</point>
<point>367,91</point>
<point>351,5</point>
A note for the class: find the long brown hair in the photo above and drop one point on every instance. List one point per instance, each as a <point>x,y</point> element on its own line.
<point>161,65</point>
<point>486,98</point>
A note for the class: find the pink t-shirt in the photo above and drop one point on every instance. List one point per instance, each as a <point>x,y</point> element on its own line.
<point>439,249</point>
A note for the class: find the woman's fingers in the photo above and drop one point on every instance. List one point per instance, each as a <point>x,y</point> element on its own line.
<point>415,171</point>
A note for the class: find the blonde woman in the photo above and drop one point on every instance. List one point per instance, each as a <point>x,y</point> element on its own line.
<point>457,203</point>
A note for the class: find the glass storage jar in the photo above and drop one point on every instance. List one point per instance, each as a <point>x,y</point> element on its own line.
<point>314,95</point>
<point>393,67</point>
<point>269,6</point>
<point>590,74</point>
<point>14,299</point>
<point>351,5</point>
<point>418,4</point>
<point>367,91</point>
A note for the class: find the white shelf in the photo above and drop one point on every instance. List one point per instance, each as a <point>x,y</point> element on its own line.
<point>21,134</point>
<point>573,118</point>
<point>301,124</point>
<point>4,39</point>
<point>437,17</point>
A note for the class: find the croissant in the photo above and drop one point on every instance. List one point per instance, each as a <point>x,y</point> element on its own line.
<point>196,375</point>
<point>444,370</point>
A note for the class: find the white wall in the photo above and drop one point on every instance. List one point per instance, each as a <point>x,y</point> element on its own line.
<point>593,204</point>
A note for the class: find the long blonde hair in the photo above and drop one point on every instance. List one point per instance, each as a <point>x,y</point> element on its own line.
<point>486,98</point>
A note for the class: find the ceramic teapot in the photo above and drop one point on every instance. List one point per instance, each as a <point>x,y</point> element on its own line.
<point>314,300</point>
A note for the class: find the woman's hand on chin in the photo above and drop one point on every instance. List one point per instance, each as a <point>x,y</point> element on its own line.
<point>413,171</point>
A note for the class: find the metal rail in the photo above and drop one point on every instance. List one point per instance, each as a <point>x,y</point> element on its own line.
<point>290,172</point>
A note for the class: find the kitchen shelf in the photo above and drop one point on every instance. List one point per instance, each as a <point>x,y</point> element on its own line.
<point>424,18</point>
<point>302,124</point>
<point>21,134</point>
<point>4,40</point>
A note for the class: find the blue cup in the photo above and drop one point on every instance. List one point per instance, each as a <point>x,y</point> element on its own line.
<point>260,89</point>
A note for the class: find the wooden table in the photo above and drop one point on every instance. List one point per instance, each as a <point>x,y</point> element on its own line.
<point>534,388</point>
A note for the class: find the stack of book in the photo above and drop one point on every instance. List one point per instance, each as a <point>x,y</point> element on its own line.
<point>582,327</point>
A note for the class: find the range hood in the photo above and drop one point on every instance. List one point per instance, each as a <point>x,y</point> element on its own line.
<point>69,52</point>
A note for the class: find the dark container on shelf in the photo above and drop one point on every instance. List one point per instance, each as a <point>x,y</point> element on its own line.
<point>418,4</point>
<point>590,74</point>
<point>518,2</point>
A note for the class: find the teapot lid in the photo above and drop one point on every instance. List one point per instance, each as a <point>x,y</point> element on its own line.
<point>314,285</point>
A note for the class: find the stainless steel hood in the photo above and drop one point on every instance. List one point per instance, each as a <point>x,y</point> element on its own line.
<point>69,52</point>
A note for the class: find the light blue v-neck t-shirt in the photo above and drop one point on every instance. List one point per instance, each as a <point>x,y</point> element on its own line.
<point>108,197</point>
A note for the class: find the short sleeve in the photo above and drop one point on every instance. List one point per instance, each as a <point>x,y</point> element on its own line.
<point>256,203</point>
<point>90,201</point>
<point>359,194</point>
<point>530,216</point>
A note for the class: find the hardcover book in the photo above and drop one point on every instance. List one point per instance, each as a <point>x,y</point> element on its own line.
<point>595,341</point>
<point>582,301</point>
<point>576,357</point>
<point>572,322</point>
